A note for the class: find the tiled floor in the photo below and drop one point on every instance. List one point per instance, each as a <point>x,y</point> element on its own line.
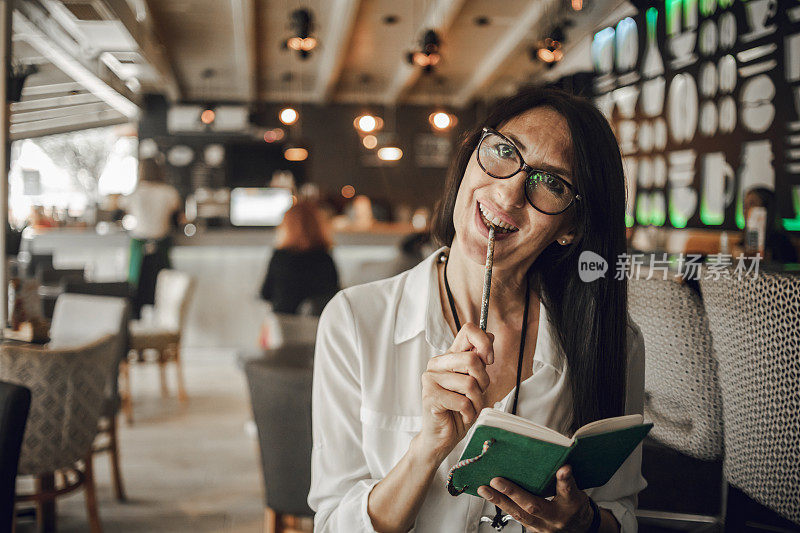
<point>186,469</point>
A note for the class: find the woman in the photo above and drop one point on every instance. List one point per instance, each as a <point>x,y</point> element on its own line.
<point>397,383</point>
<point>152,206</point>
<point>301,269</point>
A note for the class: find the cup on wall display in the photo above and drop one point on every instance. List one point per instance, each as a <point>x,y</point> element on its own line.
<point>645,136</point>
<point>659,171</point>
<point>758,14</point>
<point>643,208</point>
<point>681,168</point>
<point>755,170</point>
<point>644,173</point>
<point>708,79</point>
<point>727,115</point>
<point>605,103</point>
<point>726,74</point>
<point>659,134</point>
<point>627,136</point>
<point>653,96</point>
<point>719,188</point>
<point>653,63</point>
<point>708,118</point>
<point>727,30</point>
<point>682,108</point>
<point>658,208</point>
<point>707,7</point>
<point>681,46</point>
<point>682,205</point>
<point>792,47</point>
<point>627,45</point>
<point>630,167</point>
<point>603,51</point>
<point>625,99</point>
<point>708,38</point>
<point>757,111</point>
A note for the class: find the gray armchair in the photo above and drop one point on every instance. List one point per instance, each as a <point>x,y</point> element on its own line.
<point>280,391</point>
<point>755,323</point>
<point>683,400</point>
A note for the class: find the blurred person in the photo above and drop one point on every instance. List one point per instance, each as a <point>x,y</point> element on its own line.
<point>152,204</point>
<point>301,268</point>
<point>38,218</point>
<point>778,247</point>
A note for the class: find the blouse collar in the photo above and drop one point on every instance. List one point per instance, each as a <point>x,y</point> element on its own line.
<point>420,310</point>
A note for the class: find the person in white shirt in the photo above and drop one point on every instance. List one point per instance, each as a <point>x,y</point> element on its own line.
<point>152,205</point>
<point>401,370</point>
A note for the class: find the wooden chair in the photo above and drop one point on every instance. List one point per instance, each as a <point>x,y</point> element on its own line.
<point>67,387</point>
<point>79,319</point>
<point>162,335</point>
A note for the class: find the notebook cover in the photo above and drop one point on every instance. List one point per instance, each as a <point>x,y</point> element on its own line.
<point>532,464</point>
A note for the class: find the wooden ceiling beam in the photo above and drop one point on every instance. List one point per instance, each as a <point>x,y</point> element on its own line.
<point>338,32</point>
<point>440,16</point>
<point>494,60</point>
<point>151,47</point>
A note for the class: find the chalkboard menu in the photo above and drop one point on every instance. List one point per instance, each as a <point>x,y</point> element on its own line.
<point>704,96</point>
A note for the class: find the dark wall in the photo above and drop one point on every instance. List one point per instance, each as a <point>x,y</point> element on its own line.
<point>337,157</point>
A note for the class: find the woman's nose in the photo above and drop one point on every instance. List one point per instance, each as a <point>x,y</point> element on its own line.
<point>510,192</point>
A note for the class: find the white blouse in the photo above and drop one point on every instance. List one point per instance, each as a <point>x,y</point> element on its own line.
<point>373,344</point>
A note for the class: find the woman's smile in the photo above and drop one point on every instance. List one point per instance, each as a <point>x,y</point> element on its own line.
<point>503,229</point>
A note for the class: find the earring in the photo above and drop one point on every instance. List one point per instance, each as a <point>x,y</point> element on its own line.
<point>563,241</point>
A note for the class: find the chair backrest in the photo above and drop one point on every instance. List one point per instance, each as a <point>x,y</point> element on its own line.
<point>67,391</point>
<point>284,328</point>
<point>755,323</point>
<point>14,404</point>
<point>173,291</point>
<point>281,400</point>
<point>80,319</point>
<point>682,396</point>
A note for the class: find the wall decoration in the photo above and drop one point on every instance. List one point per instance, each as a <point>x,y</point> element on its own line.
<point>714,110</point>
<point>180,155</point>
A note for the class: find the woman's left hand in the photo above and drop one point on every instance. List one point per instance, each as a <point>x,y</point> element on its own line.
<point>569,510</point>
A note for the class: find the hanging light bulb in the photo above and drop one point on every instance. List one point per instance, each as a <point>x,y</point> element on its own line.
<point>368,123</point>
<point>442,121</point>
<point>207,116</point>
<point>390,153</point>
<point>288,116</point>
<point>370,142</point>
<point>295,153</point>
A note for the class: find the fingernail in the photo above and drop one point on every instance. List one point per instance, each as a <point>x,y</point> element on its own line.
<point>485,493</point>
<point>499,484</point>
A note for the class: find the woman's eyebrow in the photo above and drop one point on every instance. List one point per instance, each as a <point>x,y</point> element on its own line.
<point>520,145</point>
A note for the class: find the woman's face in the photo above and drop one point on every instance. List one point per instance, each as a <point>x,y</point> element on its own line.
<point>542,137</point>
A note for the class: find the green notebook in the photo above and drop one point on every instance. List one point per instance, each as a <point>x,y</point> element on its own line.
<point>529,454</point>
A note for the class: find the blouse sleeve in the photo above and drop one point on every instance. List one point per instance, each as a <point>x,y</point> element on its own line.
<point>620,494</point>
<point>340,477</point>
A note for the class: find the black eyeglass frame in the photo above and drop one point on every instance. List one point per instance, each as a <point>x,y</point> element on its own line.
<point>523,166</point>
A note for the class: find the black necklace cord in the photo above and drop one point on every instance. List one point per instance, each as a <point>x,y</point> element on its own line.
<point>499,521</point>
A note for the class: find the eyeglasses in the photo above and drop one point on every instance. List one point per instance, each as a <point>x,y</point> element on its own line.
<point>500,158</point>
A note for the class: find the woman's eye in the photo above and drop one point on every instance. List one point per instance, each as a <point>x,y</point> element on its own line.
<point>552,183</point>
<point>504,150</point>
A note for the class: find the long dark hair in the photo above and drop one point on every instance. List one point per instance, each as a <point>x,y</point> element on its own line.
<point>589,319</point>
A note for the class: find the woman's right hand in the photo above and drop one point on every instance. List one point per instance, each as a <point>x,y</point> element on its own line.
<point>453,388</point>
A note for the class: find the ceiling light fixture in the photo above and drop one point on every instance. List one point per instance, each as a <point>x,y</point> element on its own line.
<point>549,50</point>
<point>390,153</point>
<point>295,153</point>
<point>207,116</point>
<point>288,116</point>
<point>369,142</point>
<point>442,121</point>
<point>368,123</point>
<point>428,55</point>
<point>302,25</point>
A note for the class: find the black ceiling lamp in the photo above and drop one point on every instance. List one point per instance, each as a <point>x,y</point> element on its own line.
<point>428,55</point>
<point>302,25</point>
<point>549,50</point>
